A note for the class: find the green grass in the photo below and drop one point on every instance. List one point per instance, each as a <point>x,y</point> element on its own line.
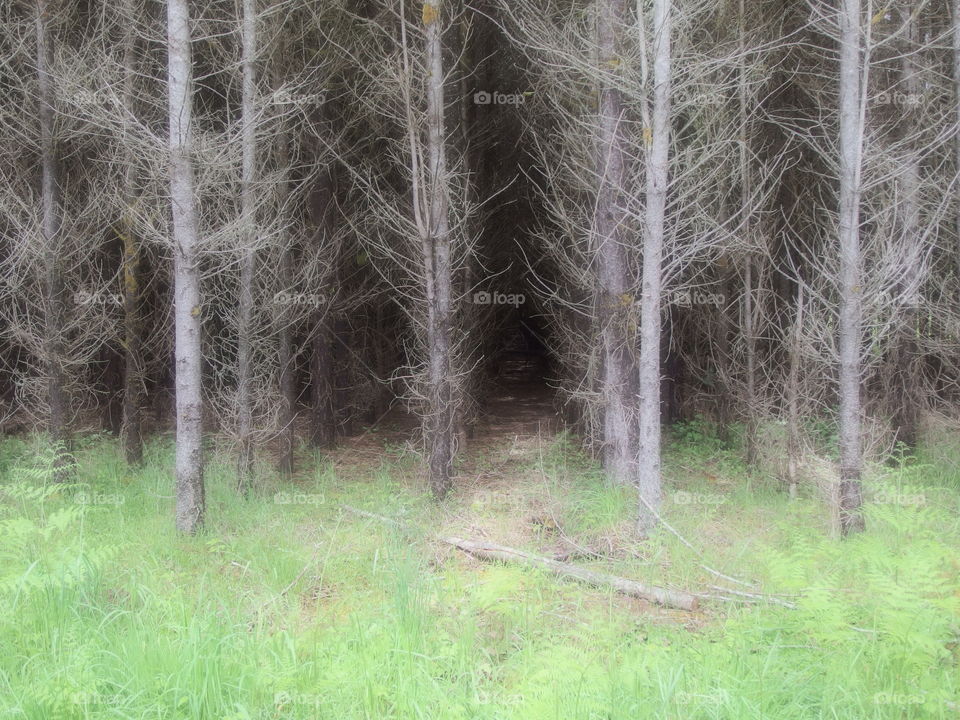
<point>287,607</point>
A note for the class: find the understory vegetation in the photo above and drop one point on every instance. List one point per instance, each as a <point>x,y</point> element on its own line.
<point>293,607</point>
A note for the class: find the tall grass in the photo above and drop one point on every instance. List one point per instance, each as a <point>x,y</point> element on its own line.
<point>287,608</point>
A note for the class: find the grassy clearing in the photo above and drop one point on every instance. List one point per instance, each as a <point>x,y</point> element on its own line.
<point>286,607</point>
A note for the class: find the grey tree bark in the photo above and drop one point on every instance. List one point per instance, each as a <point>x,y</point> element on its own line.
<point>956,95</point>
<point>657,167</point>
<point>437,262</point>
<point>186,250</point>
<point>905,361</point>
<point>248,242</point>
<point>287,357</point>
<point>746,192</point>
<point>52,233</point>
<point>133,360</point>
<point>614,299</point>
<point>850,320</point>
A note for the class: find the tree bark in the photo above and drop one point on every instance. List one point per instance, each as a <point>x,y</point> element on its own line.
<point>850,324</point>
<point>615,302</point>
<point>956,136</point>
<point>186,241</point>
<point>51,230</point>
<point>746,191</point>
<point>133,362</point>
<point>322,365</point>
<point>906,360</point>
<point>436,244</point>
<point>248,243</point>
<point>658,154</point>
<point>287,357</point>
<point>323,431</point>
<point>793,397</point>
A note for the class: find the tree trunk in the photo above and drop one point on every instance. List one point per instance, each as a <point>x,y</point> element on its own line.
<point>793,397</point>
<point>248,243</point>
<point>133,362</point>
<point>321,386</point>
<point>750,338</point>
<point>288,370</point>
<point>956,135</point>
<point>615,303</point>
<point>906,361</point>
<point>658,149</point>
<point>746,192</point>
<point>850,325</point>
<point>51,229</point>
<point>186,240</point>
<point>436,243</point>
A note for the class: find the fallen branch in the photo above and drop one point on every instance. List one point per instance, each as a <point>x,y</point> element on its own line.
<point>492,551</point>
<point>652,593</point>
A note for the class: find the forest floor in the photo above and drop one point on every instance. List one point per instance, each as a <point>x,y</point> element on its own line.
<point>288,606</point>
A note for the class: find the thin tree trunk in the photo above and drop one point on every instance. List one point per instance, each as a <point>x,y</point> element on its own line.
<point>249,233</point>
<point>956,136</point>
<point>52,227</point>
<point>321,373</point>
<point>746,191</point>
<point>614,302</point>
<point>793,398</point>
<point>186,240</point>
<point>288,384</point>
<point>750,337</point>
<point>907,389</point>
<point>133,362</point>
<point>438,265</point>
<point>850,325</point>
<point>658,155</point>
<point>322,365</point>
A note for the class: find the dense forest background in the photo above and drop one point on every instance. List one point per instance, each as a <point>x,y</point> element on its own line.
<point>275,221</point>
<point>535,359</point>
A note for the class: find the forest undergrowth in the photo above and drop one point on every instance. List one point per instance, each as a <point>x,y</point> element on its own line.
<point>288,606</point>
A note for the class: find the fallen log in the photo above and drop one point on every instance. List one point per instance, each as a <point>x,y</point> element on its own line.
<point>652,593</point>
<point>491,551</point>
